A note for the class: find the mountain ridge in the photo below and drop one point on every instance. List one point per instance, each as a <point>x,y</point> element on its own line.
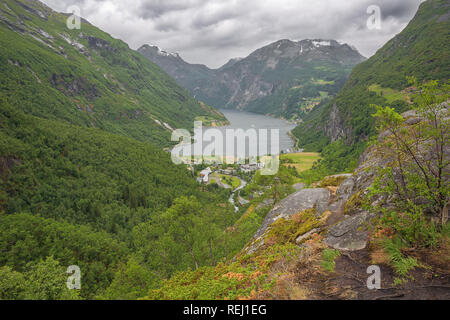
<point>88,78</point>
<point>270,80</point>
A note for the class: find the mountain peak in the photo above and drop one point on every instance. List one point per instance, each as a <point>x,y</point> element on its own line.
<point>157,50</point>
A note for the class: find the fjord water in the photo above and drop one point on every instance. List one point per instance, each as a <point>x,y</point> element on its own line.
<point>246,120</point>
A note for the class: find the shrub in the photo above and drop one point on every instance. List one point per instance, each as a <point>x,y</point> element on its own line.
<point>328,259</point>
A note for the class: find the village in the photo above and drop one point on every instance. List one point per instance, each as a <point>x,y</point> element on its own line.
<point>216,174</point>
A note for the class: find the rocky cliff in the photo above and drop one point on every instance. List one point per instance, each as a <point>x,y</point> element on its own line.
<point>322,243</point>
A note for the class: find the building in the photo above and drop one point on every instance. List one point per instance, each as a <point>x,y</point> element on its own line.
<point>204,175</point>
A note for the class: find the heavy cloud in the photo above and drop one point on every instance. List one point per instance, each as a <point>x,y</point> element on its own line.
<point>213,31</point>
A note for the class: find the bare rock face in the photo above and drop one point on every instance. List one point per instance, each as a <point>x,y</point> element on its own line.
<point>350,234</point>
<point>336,127</point>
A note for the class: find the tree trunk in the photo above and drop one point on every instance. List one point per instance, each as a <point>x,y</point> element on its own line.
<point>193,258</point>
<point>213,262</point>
<point>444,215</point>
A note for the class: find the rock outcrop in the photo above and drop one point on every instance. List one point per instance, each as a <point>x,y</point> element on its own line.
<point>336,127</point>
<point>350,234</point>
<point>300,201</point>
<point>346,224</point>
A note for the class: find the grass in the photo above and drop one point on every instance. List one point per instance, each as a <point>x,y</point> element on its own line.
<point>390,95</point>
<point>328,259</point>
<point>324,94</point>
<point>230,180</point>
<point>209,121</point>
<point>322,82</point>
<point>300,161</point>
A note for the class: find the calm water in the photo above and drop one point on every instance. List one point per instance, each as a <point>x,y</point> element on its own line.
<point>246,120</point>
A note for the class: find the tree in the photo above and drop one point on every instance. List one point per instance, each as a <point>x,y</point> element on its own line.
<point>419,168</point>
<point>131,282</point>
<point>12,284</point>
<point>47,280</point>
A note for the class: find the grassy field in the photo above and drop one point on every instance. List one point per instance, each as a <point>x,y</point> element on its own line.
<point>390,94</point>
<point>301,161</point>
<point>322,82</point>
<point>230,180</point>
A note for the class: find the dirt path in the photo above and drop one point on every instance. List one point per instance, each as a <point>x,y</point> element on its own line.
<point>350,278</point>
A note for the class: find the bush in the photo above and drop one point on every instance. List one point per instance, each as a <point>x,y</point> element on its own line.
<point>328,259</point>
<point>412,227</point>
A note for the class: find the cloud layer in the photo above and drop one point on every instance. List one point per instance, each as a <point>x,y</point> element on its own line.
<point>213,31</point>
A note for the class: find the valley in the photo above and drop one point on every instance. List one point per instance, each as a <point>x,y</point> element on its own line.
<point>88,177</point>
<point>286,79</point>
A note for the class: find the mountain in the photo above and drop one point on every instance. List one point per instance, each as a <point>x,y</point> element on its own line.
<point>341,127</point>
<point>86,77</point>
<point>188,75</point>
<point>77,193</point>
<point>316,243</point>
<point>81,176</point>
<point>285,79</point>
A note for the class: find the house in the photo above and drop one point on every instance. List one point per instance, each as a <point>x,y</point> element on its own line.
<point>248,168</point>
<point>228,172</point>
<point>204,175</point>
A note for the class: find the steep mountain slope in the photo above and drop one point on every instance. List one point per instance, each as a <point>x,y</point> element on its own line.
<point>86,77</point>
<point>285,78</point>
<point>422,50</point>
<point>320,243</point>
<point>79,181</point>
<point>76,194</point>
<point>190,76</point>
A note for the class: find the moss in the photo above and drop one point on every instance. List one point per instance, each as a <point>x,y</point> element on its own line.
<point>288,230</point>
<point>355,202</point>
<point>242,279</point>
<point>332,181</point>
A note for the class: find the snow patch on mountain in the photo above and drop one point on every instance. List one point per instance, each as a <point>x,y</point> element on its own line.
<point>321,43</point>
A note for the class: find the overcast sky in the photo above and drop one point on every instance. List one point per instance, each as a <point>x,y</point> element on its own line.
<point>213,31</point>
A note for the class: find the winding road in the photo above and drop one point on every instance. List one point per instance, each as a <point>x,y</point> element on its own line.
<point>242,186</point>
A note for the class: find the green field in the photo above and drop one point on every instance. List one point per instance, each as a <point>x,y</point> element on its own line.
<point>230,180</point>
<point>322,82</point>
<point>300,161</point>
<point>390,95</point>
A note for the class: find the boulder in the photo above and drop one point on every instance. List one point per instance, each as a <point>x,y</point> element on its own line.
<point>350,234</point>
<point>300,201</point>
<point>299,186</point>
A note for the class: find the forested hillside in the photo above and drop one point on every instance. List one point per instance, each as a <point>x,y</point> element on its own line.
<point>97,200</point>
<point>85,77</point>
<point>83,178</point>
<point>341,128</point>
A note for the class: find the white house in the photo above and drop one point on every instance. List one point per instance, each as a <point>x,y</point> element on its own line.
<point>204,175</point>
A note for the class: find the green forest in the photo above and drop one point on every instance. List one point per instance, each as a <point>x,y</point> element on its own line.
<point>87,178</point>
